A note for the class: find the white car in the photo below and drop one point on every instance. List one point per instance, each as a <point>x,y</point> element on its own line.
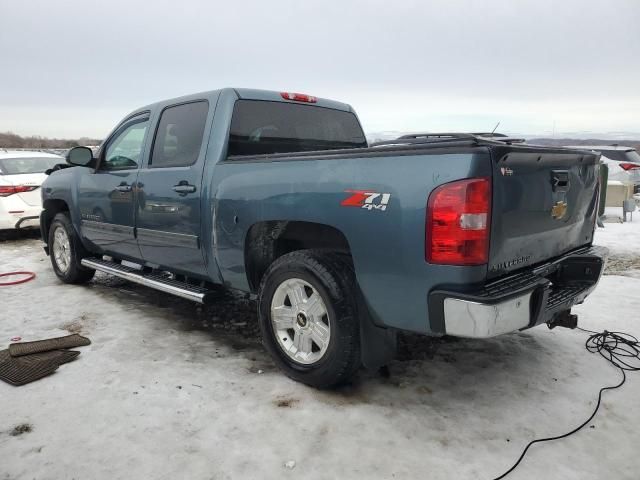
<point>21,174</point>
<point>623,162</point>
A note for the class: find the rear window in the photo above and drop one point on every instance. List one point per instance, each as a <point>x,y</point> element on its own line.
<point>617,155</point>
<point>621,155</point>
<point>262,127</point>
<point>16,166</point>
<point>632,156</point>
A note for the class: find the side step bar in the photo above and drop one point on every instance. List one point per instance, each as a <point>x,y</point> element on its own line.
<point>153,280</point>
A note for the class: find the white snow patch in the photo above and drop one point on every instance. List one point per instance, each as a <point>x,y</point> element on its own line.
<point>620,238</point>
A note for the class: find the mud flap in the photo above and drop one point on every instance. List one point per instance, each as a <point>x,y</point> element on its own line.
<point>378,346</point>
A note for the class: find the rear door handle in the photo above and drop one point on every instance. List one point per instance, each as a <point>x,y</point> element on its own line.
<point>183,188</point>
<point>123,188</point>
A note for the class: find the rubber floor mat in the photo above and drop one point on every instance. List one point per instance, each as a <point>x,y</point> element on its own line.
<point>22,370</point>
<point>54,356</point>
<point>27,348</point>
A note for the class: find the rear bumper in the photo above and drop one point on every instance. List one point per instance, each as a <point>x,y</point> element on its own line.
<point>519,301</point>
<point>22,219</point>
<point>15,213</point>
<point>32,221</point>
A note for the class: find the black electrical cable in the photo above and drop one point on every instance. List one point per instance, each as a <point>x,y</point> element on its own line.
<point>622,351</point>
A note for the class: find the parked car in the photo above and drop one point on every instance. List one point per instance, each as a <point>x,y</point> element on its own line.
<point>21,174</point>
<point>623,163</point>
<point>278,194</point>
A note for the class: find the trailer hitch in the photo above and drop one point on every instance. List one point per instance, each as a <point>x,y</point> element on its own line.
<point>564,319</point>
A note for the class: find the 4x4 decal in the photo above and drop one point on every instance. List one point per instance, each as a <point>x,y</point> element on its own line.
<point>366,199</point>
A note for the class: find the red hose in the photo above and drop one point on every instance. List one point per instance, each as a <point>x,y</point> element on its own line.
<point>30,276</point>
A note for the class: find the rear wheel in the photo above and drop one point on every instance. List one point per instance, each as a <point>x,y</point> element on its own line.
<point>66,251</point>
<point>308,317</point>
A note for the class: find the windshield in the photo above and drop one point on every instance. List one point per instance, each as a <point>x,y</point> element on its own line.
<point>262,127</point>
<point>16,166</point>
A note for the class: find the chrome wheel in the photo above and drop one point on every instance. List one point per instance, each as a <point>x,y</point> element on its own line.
<point>61,249</point>
<point>300,321</point>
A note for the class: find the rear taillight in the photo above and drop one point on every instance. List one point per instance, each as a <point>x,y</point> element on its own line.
<point>298,97</point>
<point>458,222</point>
<point>629,166</point>
<point>6,190</point>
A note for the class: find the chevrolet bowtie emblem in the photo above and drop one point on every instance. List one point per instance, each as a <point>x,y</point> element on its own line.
<point>559,210</point>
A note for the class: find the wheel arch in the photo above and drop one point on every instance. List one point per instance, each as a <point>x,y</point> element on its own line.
<point>50,208</point>
<point>266,241</point>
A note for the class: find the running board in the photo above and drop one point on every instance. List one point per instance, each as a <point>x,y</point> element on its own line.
<point>153,280</point>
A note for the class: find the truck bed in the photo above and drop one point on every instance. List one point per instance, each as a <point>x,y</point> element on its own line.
<point>524,230</point>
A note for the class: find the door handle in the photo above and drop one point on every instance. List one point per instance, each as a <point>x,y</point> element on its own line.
<point>123,188</point>
<point>183,188</point>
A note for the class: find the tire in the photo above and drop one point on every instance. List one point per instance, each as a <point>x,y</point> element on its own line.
<point>302,351</point>
<point>66,251</point>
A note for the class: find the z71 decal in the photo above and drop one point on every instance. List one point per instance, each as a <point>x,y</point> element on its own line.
<point>366,199</point>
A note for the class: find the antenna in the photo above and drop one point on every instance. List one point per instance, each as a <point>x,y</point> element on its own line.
<point>495,128</point>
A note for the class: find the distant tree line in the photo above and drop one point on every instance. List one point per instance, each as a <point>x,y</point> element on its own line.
<point>12,140</point>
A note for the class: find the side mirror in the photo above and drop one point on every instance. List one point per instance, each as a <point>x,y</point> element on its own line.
<point>80,156</point>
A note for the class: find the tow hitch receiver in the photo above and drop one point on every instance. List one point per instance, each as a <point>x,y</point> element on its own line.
<point>564,319</point>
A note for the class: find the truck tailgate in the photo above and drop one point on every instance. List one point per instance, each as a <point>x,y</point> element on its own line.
<point>544,204</point>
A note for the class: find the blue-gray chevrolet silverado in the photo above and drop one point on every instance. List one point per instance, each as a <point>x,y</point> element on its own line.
<point>343,243</point>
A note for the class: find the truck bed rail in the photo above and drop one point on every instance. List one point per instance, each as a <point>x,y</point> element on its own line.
<point>440,137</point>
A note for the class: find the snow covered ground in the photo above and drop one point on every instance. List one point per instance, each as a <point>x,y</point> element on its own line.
<point>169,390</point>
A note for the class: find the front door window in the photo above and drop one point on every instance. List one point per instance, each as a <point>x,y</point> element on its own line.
<point>124,152</point>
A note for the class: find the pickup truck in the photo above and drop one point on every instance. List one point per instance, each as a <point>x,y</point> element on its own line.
<point>343,244</point>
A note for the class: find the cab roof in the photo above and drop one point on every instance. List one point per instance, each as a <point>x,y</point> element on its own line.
<point>273,96</point>
<point>247,94</point>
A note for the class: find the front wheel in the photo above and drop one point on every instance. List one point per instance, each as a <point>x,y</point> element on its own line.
<point>66,252</point>
<point>308,317</point>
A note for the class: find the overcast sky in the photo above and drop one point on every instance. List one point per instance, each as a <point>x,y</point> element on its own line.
<point>74,68</point>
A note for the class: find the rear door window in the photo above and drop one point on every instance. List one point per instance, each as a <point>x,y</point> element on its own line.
<point>179,135</point>
<point>262,127</point>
